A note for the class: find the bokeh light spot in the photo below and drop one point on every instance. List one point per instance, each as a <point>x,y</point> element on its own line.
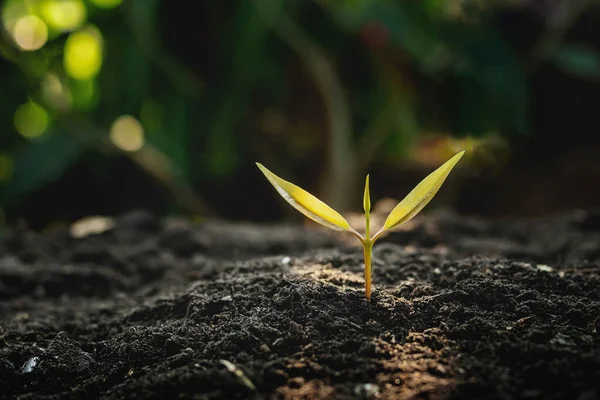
<point>92,225</point>
<point>12,11</point>
<point>31,120</point>
<point>54,93</point>
<point>83,53</point>
<point>127,133</point>
<point>6,167</point>
<point>106,3</point>
<point>63,15</point>
<point>30,33</point>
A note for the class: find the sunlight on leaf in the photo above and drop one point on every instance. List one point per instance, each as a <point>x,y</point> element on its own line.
<point>31,120</point>
<point>367,197</point>
<point>306,203</point>
<point>320,212</point>
<point>420,195</point>
<point>63,15</point>
<point>55,93</point>
<point>83,53</point>
<point>106,3</point>
<point>30,33</point>
<point>127,133</point>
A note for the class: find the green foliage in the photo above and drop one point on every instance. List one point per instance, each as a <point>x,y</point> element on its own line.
<point>38,164</point>
<point>579,60</point>
<point>404,67</point>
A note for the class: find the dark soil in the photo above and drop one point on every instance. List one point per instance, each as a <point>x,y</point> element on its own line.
<point>463,309</point>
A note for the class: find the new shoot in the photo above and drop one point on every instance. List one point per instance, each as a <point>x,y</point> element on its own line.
<point>320,212</point>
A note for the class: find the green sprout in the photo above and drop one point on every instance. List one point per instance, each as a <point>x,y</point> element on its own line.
<point>320,212</point>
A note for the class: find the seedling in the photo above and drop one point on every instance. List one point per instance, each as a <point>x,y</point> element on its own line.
<point>320,212</point>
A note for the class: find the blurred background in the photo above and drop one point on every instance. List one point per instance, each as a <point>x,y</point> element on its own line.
<point>112,105</point>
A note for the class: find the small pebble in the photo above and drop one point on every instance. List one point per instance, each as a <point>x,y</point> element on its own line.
<point>264,348</point>
<point>366,390</point>
<point>29,365</point>
<point>545,268</point>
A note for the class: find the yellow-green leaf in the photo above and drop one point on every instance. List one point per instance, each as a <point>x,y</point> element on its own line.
<point>420,195</point>
<point>306,203</point>
<point>367,197</point>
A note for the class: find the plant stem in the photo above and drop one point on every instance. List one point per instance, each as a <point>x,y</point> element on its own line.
<point>368,253</point>
<point>368,223</point>
<point>367,242</point>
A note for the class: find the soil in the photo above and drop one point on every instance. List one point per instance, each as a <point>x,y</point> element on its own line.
<point>152,308</point>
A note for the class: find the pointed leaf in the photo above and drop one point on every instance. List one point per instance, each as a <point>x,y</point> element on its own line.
<point>306,203</point>
<point>367,197</point>
<point>420,195</point>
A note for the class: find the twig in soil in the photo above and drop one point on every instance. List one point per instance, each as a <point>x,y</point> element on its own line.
<point>290,282</point>
<point>347,321</point>
<point>239,373</point>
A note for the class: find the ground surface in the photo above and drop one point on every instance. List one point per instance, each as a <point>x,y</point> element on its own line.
<point>463,308</point>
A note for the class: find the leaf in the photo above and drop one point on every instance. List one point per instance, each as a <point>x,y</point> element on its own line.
<point>41,162</point>
<point>245,53</point>
<point>367,197</point>
<point>492,83</point>
<point>306,203</point>
<point>579,60</point>
<point>420,195</point>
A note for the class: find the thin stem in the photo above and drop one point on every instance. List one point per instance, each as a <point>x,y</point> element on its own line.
<point>367,208</point>
<point>377,235</point>
<point>148,158</point>
<point>368,252</point>
<point>558,24</point>
<point>341,174</point>
<point>368,227</point>
<point>358,235</point>
<point>367,242</point>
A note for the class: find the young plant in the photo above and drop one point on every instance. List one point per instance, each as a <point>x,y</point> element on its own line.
<point>320,212</point>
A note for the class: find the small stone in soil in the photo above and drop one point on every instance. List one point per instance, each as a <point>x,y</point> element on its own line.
<point>29,365</point>
<point>366,390</point>
<point>264,348</point>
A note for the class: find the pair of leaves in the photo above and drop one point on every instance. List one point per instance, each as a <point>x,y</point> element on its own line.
<point>320,212</point>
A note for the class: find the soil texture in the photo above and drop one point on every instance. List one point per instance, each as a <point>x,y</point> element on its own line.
<point>151,308</point>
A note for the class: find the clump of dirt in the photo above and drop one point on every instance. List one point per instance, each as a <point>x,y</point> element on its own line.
<point>162,308</point>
